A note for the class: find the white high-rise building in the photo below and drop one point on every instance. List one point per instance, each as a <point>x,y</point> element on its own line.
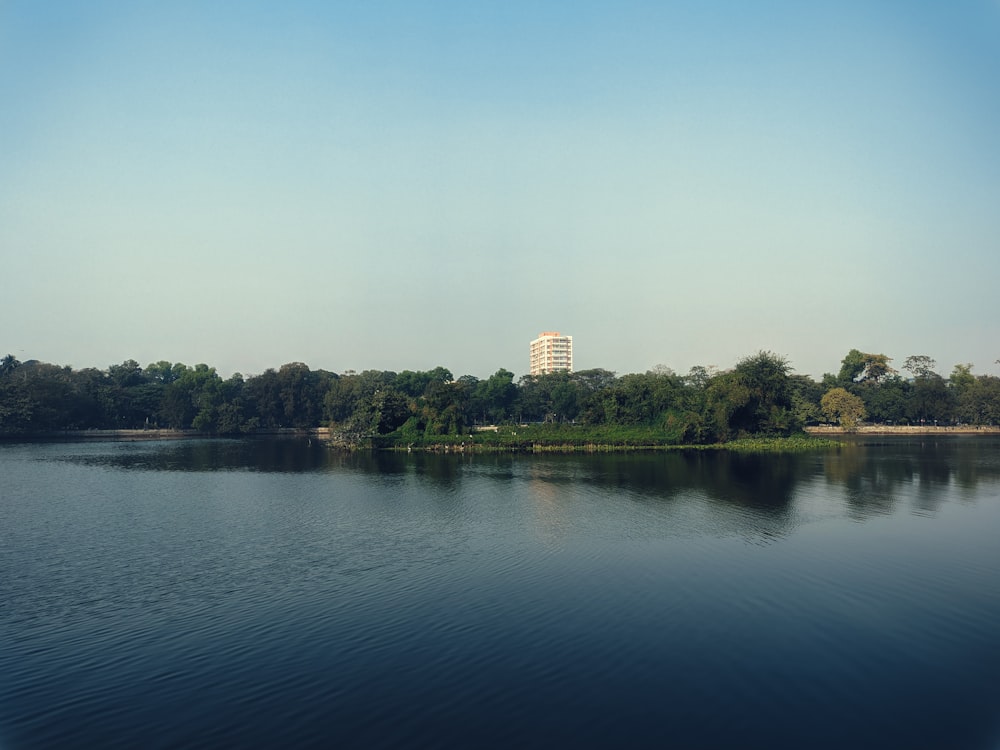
<point>550,352</point>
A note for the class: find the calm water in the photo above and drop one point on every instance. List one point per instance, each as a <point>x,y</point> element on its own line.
<point>274,594</point>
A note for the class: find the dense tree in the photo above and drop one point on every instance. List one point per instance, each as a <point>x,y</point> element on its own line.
<point>980,402</point>
<point>595,379</point>
<point>851,367</point>
<point>8,364</point>
<point>565,399</point>
<point>263,397</point>
<point>192,401</point>
<point>930,399</point>
<point>842,407</point>
<point>446,407</point>
<point>127,374</point>
<point>412,384</point>
<point>497,394</point>
<point>768,406</point>
<point>759,395</point>
<point>860,366</point>
<point>919,365</point>
<point>130,398</point>
<point>162,372</point>
<point>961,380</point>
<point>634,399</point>
<point>300,393</point>
<point>236,412</point>
<point>348,402</point>
<point>805,394</point>
<point>886,402</point>
<point>37,396</point>
<point>390,409</point>
<point>552,397</point>
<point>725,397</point>
<point>699,376</point>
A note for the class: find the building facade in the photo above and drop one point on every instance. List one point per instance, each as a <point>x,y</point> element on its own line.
<point>550,352</point>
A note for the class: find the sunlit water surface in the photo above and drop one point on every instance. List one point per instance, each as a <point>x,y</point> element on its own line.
<point>276,594</point>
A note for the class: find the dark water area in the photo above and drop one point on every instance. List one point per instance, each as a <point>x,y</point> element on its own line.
<point>272,593</point>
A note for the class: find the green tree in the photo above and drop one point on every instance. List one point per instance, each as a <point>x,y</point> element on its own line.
<point>301,392</point>
<point>806,394</point>
<point>8,364</point>
<point>961,380</point>
<point>633,399</point>
<point>234,414</point>
<point>498,393</point>
<point>565,399</point>
<point>390,409</point>
<point>40,397</point>
<point>445,407</point>
<point>699,376</point>
<point>93,406</point>
<point>593,380</point>
<point>842,407</point>
<point>551,397</point>
<point>930,399</point>
<point>412,384</point>
<point>161,372</point>
<point>128,373</point>
<point>920,365</point>
<point>725,396</point>
<point>877,368</point>
<point>852,367</point>
<point>131,399</point>
<point>263,398</point>
<point>859,367</point>
<point>193,399</point>
<point>980,403</point>
<point>349,402</point>
<point>768,408</point>
<point>886,402</point>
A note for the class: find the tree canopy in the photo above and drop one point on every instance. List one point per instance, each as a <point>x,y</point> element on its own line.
<point>760,395</point>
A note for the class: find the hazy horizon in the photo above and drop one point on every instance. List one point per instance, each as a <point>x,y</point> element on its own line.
<point>399,186</point>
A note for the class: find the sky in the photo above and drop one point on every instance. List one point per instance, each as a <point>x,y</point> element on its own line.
<point>402,185</point>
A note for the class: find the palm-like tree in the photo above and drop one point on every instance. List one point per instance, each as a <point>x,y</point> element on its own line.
<point>8,364</point>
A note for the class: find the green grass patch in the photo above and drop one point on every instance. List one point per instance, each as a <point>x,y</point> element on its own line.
<point>791,444</point>
<point>577,438</point>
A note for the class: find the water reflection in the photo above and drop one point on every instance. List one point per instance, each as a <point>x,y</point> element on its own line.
<point>423,594</point>
<point>765,483</point>
<point>872,478</point>
<point>266,455</point>
<point>928,472</point>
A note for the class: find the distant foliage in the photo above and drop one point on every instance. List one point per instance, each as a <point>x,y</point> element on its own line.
<point>759,397</point>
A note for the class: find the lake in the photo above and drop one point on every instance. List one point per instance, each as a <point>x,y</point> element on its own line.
<point>273,593</point>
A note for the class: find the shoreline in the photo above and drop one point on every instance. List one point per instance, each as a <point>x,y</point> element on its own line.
<point>164,434</point>
<point>904,430</point>
<point>444,446</point>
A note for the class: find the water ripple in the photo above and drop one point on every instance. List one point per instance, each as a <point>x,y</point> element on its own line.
<point>687,600</point>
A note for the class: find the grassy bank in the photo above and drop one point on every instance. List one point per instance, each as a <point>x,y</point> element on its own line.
<point>881,429</point>
<point>594,439</point>
<point>792,444</point>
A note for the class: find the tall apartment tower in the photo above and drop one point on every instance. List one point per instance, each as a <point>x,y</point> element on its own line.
<point>551,351</point>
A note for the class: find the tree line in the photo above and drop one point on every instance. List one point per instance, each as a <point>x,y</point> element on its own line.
<point>760,395</point>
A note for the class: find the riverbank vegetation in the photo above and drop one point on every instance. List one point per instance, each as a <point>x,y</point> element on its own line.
<point>587,439</point>
<point>760,397</point>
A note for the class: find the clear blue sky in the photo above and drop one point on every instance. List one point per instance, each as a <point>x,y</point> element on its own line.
<point>398,185</point>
